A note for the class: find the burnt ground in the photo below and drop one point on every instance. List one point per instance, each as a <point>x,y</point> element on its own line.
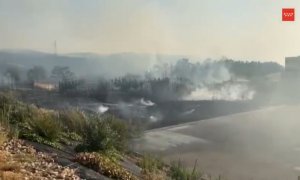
<point>160,115</point>
<point>176,112</point>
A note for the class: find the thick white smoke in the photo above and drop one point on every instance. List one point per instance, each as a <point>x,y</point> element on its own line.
<point>212,73</point>
<point>153,119</point>
<point>147,102</point>
<point>230,92</point>
<point>212,80</point>
<point>102,109</point>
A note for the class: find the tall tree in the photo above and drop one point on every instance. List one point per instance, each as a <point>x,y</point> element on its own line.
<point>13,73</point>
<point>62,73</point>
<point>36,73</point>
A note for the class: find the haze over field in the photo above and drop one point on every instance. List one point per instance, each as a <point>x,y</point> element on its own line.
<point>106,80</point>
<point>205,28</point>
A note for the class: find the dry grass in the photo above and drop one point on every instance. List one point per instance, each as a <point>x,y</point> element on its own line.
<point>3,138</point>
<point>45,124</point>
<point>104,165</point>
<point>152,167</point>
<point>158,175</point>
<point>24,158</point>
<point>8,175</point>
<point>3,156</point>
<point>179,172</point>
<point>8,170</point>
<point>73,121</point>
<point>10,167</point>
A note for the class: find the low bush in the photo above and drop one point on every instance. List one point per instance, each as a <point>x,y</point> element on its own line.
<point>45,125</point>
<point>73,121</point>
<point>120,128</point>
<point>95,133</point>
<point>104,165</point>
<point>12,131</point>
<point>6,107</point>
<point>28,121</point>
<point>3,138</point>
<point>179,172</point>
<point>153,168</point>
<point>41,126</point>
<point>150,163</point>
<point>104,133</point>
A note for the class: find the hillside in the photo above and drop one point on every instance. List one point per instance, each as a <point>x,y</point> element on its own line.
<point>119,64</point>
<point>81,62</point>
<point>69,144</point>
<point>21,161</point>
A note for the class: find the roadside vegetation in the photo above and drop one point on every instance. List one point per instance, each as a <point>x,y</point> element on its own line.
<point>101,141</point>
<point>104,165</point>
<point>56,128</point>
<point>155,169</point>
<point>105,137</point>
<point>152,167</point>
<point>178,172</point>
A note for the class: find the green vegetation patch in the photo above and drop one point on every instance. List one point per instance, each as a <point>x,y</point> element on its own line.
<point>104,165</point>
<point>179,172</point>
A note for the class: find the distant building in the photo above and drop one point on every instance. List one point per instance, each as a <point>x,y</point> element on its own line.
<point>290,85</point>
<point>49,84</point>
<point>292,68</point>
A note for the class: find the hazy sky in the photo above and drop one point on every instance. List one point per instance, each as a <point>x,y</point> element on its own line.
<point>240,29</point>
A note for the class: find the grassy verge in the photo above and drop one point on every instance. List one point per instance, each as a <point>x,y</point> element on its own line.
<point>179,172</point>
<point>3,137</point>
<point>153,168</point>
<point>93,132</point>
<point>102,140</point>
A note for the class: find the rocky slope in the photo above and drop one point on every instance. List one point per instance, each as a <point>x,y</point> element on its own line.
<point>21,161</point>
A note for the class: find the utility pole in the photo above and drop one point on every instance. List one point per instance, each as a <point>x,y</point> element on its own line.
<point>55,48</point>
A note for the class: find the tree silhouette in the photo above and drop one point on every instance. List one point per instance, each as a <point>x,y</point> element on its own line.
<point>36,73</point>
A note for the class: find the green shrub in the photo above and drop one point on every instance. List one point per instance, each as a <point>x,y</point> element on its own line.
<point>29,122</point>
<point>150,163</point>
<point>6,109</point>
<point>13,132</point>
<point>73,121</point>
<point>104,133</point>
<point>121,131</point>
<point>71,136</point>
<point>36,124</point>
<point>99,136</point>
<point>4,118</point>
<point>97,133</point>
<point>104,165</point>
<point>3,138</point>
<point>179,172</point>
<point>7,104</point>
<point>22,113</point>
<point>6,100</point>
<point>46,125</point>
